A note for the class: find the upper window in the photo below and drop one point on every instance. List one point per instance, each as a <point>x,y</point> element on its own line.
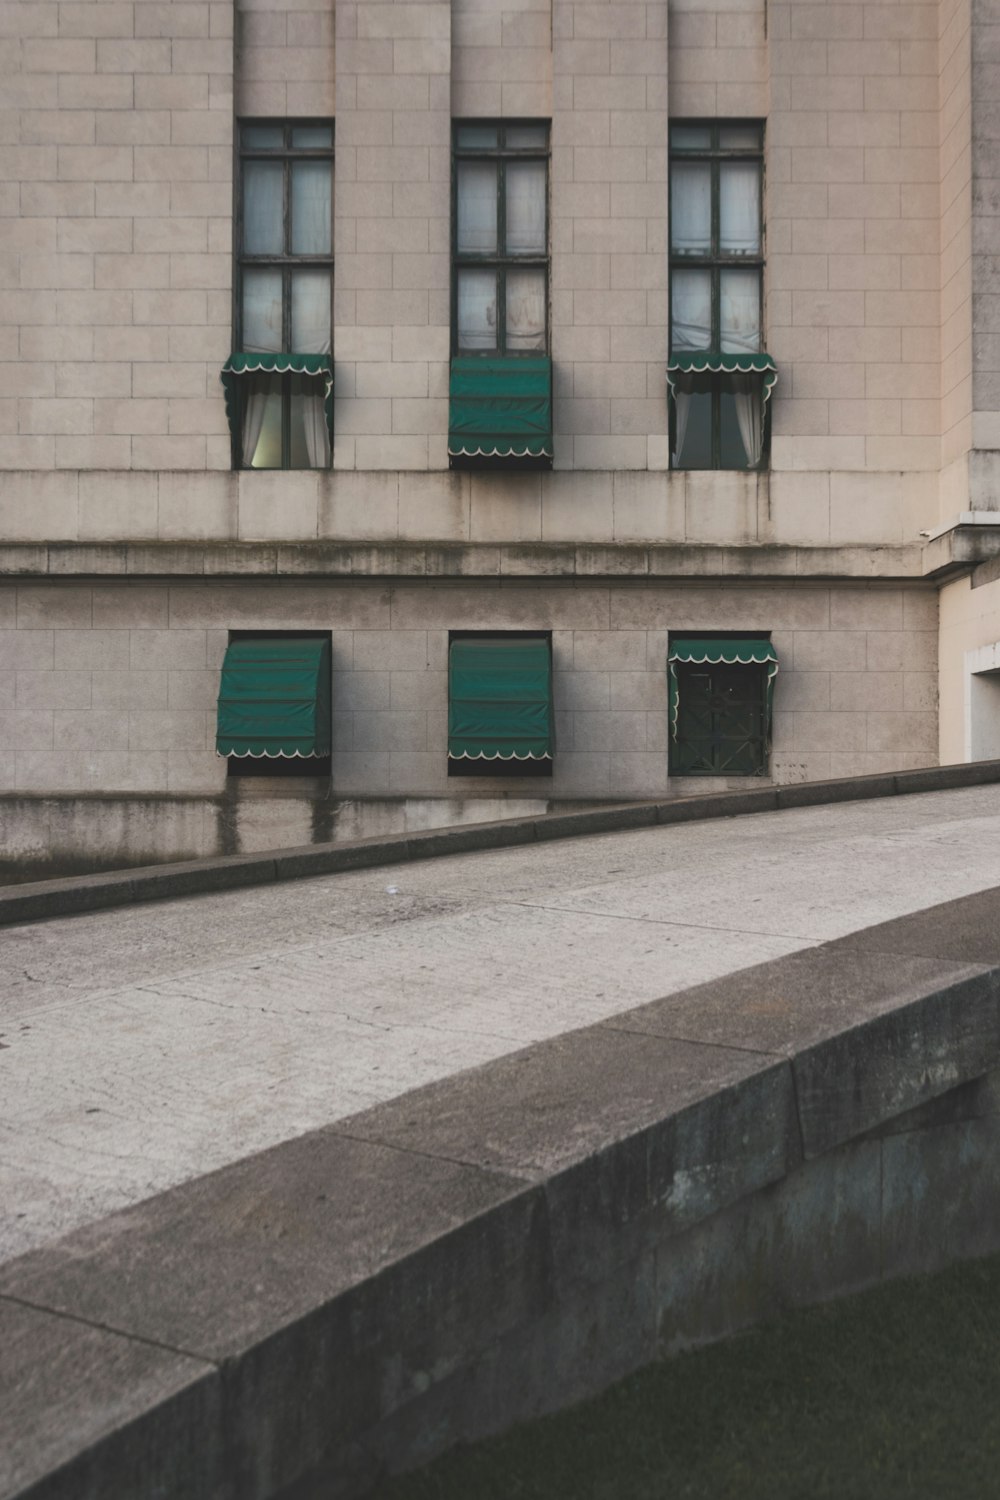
<point>501,262</point>
<point>283,302</point>
<point>716,292</point>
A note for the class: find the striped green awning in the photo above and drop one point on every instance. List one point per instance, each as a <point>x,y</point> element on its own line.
<point>274,699</point>
<point>717,650</point>
<point>501,408</point>
<point>500,699</point>
<point>692,370</point>
<point>320,366</point>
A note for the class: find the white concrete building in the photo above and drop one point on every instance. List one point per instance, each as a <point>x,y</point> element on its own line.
<point>461,211</point>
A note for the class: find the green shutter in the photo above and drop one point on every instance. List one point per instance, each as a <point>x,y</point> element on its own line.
<point>500,699</point>
<point>501,408</point>
<point>318,365</point>
<point>693,369</point>
<point>717,651</point>
<point>274,699</point>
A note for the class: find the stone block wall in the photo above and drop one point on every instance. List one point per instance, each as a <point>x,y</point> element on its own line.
<point>116,271</point>
<point>610,314</point>
<point>853,308</point>
<point>113,686</point>
<point>116,260</point>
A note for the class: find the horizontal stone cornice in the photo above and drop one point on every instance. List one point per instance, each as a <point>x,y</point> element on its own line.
<point>435,560</point>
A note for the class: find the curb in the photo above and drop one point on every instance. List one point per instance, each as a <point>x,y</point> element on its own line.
<point>43,899</point>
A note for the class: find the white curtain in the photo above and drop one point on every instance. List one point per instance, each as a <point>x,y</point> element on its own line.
<point>526,309</point>
<point>682,407</point>
<point>691,208</point>
<point>739,208</point>
<point>477,309</point>
<point>311,312</point>
<point>748,394</point>
<point>740,312</point>
<point>311,218</point>
<point>314,421</point>
<point>262,312</point>
<point>254,392</point>
<point>526,207</point>
<point>477,207</point>
<point>691,310</point>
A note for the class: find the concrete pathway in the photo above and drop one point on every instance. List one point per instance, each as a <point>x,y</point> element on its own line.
<point>142,1047</point>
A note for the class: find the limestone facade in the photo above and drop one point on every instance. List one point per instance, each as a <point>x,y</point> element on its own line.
<point>131,546</point>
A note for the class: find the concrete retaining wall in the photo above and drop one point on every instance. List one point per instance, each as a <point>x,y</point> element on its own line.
<point>32,900</point>
<point>514,1238</point>
<point>49,837</point>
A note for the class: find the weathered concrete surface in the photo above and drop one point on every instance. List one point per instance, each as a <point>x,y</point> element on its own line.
<point>145,1046</point>
<point>33,901</point>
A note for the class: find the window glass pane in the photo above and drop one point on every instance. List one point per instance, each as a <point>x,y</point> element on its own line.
<point>263,230</point>
<point>691,208</point>
<point>691,310</point>
<point>312,135</point>
<point>477,309</point>
<point>690,137</point>
<point>526,207</point>
<point>477,207</point>
<point>262,311</point>
<point>739,208</point>
<point>739,312</point>
<point>311,312</point>
<point>311,208</point>
<point>263,422</point>
<point>309,435</point>
<point>477,136</point>
<point>526,309</point>
<point>693,430</point>
<point>261,137</point>
<point>524,137</point>
<point>739,137</point>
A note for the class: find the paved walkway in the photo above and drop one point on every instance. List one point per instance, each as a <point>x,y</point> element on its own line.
<point>142,1047</point>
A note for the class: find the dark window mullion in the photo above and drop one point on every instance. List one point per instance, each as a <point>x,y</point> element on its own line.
<point>501,251</point>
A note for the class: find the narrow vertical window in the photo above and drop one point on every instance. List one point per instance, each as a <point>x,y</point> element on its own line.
<point>719,374</point>
<point>501,239</point>
<point>279,382</point>
<point>501,374</point>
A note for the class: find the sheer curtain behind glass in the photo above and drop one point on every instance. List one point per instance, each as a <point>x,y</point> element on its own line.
<point>285,308</point>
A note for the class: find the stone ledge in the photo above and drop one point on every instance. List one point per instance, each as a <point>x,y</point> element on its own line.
<point>435,560</point>
<point>38,900</point>
<point>515,1237</point>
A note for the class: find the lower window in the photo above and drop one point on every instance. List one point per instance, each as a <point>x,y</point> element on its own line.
<point>500,705</point>
<point>720,691</point>
<point>283,423</point>
<point>273,714</point>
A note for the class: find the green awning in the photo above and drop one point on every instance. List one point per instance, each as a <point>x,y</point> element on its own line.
<point>693,369</point>
<point>274,699</point>
<point>318,365</point>
<point>715,651</point>
<point>500,699</point>
<point>501,408</point>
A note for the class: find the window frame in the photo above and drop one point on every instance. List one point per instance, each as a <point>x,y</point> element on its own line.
<point>715,263</point>
<point>516,770</point>
<point>764,773</point>
<point>286,262</point>
<point>501,259</point>
<point>241,768</point>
